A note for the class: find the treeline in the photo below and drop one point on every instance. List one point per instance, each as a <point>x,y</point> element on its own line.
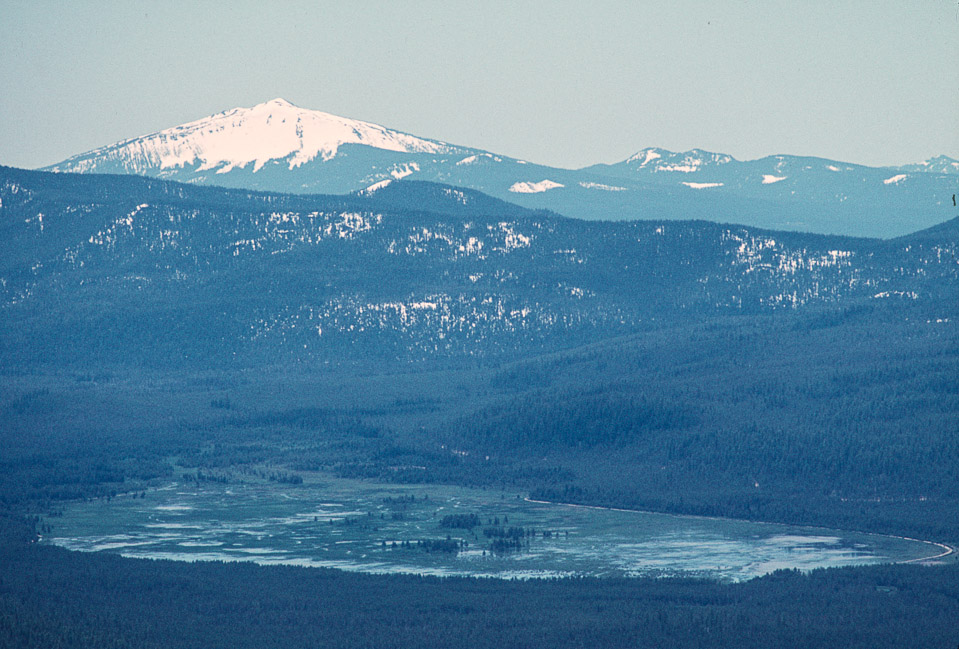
<point>448,545</point>
<point>465,521</point>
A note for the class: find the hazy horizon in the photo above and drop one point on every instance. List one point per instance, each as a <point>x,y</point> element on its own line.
<point>554,83</point>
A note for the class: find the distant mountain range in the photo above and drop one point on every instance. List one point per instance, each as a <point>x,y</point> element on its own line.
<point>278,147</point>
<point>125,269</point>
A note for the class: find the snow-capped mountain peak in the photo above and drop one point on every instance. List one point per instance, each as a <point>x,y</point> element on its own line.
<point>278,102</point>
<point>655,159</point>
<point>273,130</point>
<point>940,164</point>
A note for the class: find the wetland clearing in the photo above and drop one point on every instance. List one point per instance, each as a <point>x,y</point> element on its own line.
<point>447,531</point>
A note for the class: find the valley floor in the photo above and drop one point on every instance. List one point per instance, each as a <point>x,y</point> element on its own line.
<point>840,422</point>
<point>50,597</point>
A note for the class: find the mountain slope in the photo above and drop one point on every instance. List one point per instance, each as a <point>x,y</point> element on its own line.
<point>278,147</point>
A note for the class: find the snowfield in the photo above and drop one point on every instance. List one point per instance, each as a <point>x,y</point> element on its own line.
<point>534,188</point>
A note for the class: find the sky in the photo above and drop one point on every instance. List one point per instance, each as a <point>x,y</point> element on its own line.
<point>561,83</point>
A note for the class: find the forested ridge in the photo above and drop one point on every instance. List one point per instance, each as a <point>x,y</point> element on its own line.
<point>159,275</point>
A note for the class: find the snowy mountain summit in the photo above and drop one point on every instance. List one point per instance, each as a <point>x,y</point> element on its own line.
<point>271,131</point>
<point>278,147</point>
<point>940,164</point>
<point>656,159</point>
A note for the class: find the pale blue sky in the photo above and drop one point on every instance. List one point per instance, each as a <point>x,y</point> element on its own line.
<point>561,83</point>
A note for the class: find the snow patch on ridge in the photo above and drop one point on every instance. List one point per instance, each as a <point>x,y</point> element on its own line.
<point>769,179</point>
<point>703,185</point>
<point>376,187</point>
<point>402,171</point>
<point>477,157</point>
<point>534,188</point>
<point>647,155</point>
<point>686,168</point>
<point>608,188</point>
<point>895,179</point>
